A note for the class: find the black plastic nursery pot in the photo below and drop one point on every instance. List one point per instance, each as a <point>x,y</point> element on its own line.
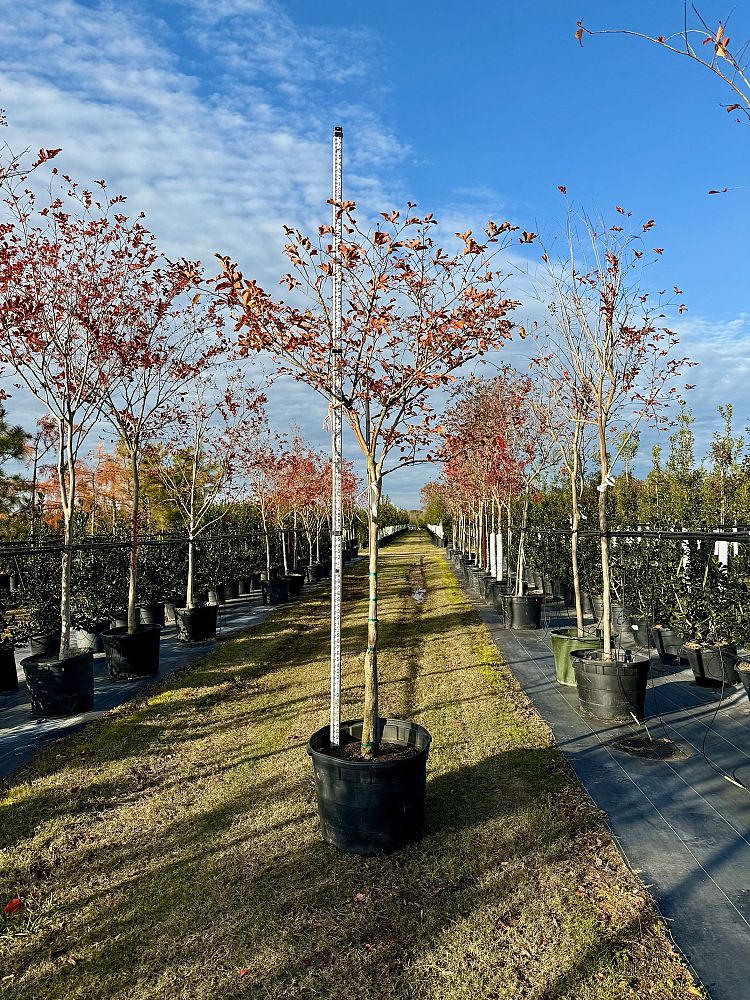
<point>60,687</point>
<point>231,590</point>
<point>523,612</point>
<point>152,614</point>
<point>499,593</point>
<point>86,640</point>
<point>610,690</point>
<point>371,807</point>
<point>8,672</point>
<point>640,629</point>
<point>255,580</point>
<point>563,642</point>
<point>244,586</point>
<point>275,591</point>
<point>313,573</point>
<point>668,645</point>
<point>196,624</point>
<point>743,672</point>
<point>45,645</point>
<point>217,594</point>
<point>132,654</point>
<point>295,582</point>
<point>712,664</point>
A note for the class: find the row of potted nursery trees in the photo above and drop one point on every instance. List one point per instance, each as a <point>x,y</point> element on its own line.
<point>414,314</point>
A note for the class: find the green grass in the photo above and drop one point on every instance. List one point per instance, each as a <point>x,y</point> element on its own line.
<point>171,850</point>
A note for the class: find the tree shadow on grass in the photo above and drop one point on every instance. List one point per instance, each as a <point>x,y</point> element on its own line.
<point>213,892</point>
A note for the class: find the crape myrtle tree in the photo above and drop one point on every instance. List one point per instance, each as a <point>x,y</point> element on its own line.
<point>63,261</point>
<point>199,456</point>
<point>161,343</point>
<point>612,364</point>
<point>413,314</point>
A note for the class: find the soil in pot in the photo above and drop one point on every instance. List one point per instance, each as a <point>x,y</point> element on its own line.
<point>564,641</point>
<point>523,612</point>
<point>611,690</point>
<point>60,687</point>
<point>132,654</point>
<point>371,806</point>
<point>711,664</point>
<point>196,624</point>
<point>8,672</point>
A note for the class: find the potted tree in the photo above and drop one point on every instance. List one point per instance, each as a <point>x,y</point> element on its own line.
<point>59,267</point>
<point>414,315</point>
<point>620,356</point>
<point>198,460</point>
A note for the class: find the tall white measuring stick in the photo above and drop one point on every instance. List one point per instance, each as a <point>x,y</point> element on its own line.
<point>336,455</point>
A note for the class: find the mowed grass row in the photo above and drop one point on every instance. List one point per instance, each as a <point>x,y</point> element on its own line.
<point>172,849</point>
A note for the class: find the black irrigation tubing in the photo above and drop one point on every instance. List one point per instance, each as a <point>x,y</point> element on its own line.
<point>742,537</point>
<point>15,549</point>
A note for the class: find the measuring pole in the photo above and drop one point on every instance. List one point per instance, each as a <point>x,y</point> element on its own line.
<point>336,455</point>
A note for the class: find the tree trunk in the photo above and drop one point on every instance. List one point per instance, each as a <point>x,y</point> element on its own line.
<point>65,573</point>
<point>604,548</point>
<point>134,514</point>
<point>521,546</point>
<point>283,551</point>
<point>370,738</point>
<point>191,571</point>
<point>575,522</point>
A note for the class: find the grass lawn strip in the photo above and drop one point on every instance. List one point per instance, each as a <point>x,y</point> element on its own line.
<point>171,849</point>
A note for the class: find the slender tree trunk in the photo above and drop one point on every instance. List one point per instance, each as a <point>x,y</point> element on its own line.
<point>283,551</point>
<point>134,515</point>
<point>604,548</point>
<point>575,522</point>
<point>191,569</point>
<point>317,543</point>
<point>370,737</point>
<point>522,546</point>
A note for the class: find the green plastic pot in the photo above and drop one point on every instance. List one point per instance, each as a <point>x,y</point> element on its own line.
<point>564,640</point>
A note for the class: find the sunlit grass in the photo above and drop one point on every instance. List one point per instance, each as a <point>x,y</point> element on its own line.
<point>171,850</point>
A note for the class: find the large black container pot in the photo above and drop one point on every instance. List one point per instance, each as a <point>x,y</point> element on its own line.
<point>132,654</point>
<point>120,621</point>
<point>597,607</point>
<point>60,687</point>
<point>668,645</point>
<point>217,594</point>
<point>563,642</point>
<point>640,628</point>
<point>295,582</point>
<point>371,807</point>
<point>45,645</point>
<point>231,590</point>
<point>488,581</point>
<point>152,614</point>
<point>196,624</point>
<point>255,580</point>
<point>244,586</point>
<point>610,690</point>
<point>313,573</point>
<point>325,569</point>
<point>743,671</point>
<point>621,627</point>
<point>8,672</point>
<point>712,665</point>
<point>85,640</point>
<point>275,591</point>
<point>499,592</point>
<point>587,602</point>
<point>523,612</point>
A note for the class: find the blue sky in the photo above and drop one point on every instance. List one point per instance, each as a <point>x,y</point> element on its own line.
<point>214,116</point>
